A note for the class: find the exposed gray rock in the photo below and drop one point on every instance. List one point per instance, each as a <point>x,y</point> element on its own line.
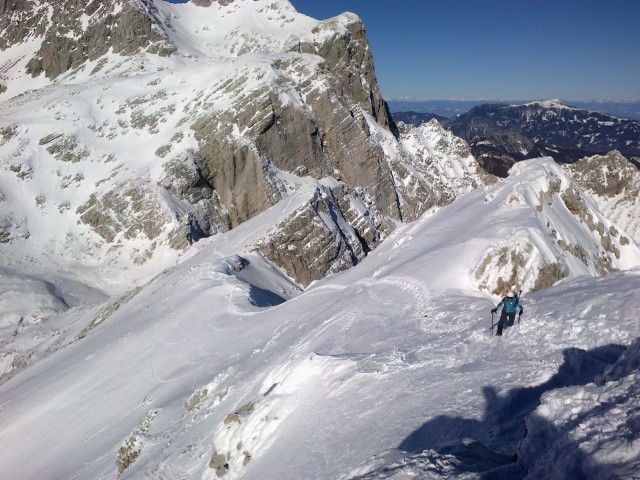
<point>68,44</point>
<point>7,133</point>
<point>65,149</point>
<point>116,212</point>
<point>132,447</point>
<point>331,233</point>
<point>237,172</point>
<point>18,20</point>
<point>349,53</point>
<point>196,204</point>
<point>550,274</point>
<point>219,463</point>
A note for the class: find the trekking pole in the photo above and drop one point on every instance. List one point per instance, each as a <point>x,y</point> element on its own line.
<point>491,323</point>
<point>519,298</point>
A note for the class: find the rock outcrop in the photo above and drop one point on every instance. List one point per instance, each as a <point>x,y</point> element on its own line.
<point>333,231</point>
<point>81,31</point>
<point>614,183</point>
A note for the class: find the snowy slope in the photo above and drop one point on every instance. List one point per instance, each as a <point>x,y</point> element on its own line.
<point>125,354</point>
<point>386,370</point>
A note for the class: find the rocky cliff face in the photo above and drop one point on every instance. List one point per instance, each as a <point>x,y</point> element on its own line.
<point>150,126</point>
<point>81,31</point>
<point>327,136</point>
<point>336,229</point>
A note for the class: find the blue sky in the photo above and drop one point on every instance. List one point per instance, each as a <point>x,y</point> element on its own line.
<point>499,49</point>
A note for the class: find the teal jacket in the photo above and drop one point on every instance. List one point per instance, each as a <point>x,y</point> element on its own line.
<point>510,305</point>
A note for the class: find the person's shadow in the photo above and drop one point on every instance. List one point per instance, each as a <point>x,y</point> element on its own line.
<point>489,447</point>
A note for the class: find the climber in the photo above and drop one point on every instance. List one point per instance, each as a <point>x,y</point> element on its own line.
<point>509,305</point>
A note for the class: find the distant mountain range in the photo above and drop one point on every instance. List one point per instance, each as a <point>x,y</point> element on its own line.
<point>450,108</point>
<point>501,134</point>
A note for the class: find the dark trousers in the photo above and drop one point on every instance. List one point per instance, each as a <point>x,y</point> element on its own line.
<point>504,316</point>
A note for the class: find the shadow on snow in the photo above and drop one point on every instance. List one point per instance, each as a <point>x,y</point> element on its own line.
<point>261,297</point>
<point>479,445</point>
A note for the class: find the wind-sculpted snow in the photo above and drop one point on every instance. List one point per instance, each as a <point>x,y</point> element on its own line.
<point>159,214</point>
<point>557,231</point>
<point>588,431</point>
<point>384,370</point>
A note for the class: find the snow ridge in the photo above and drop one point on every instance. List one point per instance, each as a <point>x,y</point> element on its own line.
<point>161,356</point>
<point>398,345</point>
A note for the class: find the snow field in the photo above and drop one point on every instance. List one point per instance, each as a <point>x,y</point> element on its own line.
<point>393,355</point>
<point>372,364</point>
<point>387,370</point>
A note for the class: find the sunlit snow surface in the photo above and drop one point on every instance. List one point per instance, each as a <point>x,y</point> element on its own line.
<point>387,370</point>
<point>221,365</point>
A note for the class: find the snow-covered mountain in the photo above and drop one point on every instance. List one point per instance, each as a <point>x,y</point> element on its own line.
<point>498,152</point>
<point>551,124</point>
<point>183,189</point>
<point>118,159</point>
<point>385,370</point>
<point>500,135</point>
